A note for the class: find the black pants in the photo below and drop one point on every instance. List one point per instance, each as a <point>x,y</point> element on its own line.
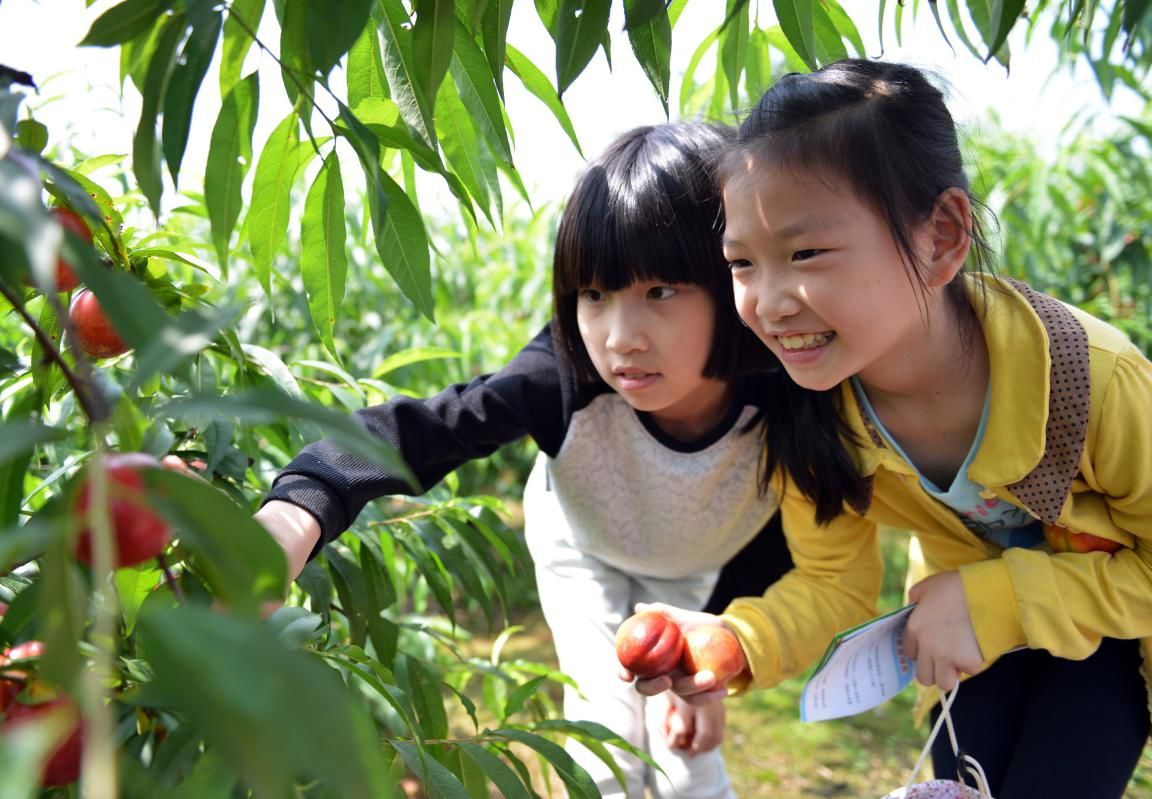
<point>1042,726</point>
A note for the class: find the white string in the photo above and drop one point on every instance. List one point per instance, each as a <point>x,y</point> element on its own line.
<point>967,762</point>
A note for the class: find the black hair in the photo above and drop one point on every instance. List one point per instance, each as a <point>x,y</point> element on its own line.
<point>885,129</point>
<point>649,209</point>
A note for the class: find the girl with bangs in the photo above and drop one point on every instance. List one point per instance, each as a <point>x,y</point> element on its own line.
<point>648,400</point>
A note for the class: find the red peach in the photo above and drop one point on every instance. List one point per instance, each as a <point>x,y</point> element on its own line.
<point>713,648</point>
<point>649,644</point>
<point>1061,539</point>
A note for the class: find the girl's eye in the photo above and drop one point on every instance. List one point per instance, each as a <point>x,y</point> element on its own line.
<point>739,263</point>
<point>804,255</point>
<point>660,292</point>
<point>591,295</point>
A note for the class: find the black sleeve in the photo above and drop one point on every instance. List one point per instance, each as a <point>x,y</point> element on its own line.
<point>762,561</point>
<point>532,395</point>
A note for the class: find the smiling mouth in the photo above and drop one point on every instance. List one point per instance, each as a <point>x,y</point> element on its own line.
<point>806,341</point>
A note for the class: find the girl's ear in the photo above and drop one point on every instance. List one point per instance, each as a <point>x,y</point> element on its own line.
<point>950,228</point>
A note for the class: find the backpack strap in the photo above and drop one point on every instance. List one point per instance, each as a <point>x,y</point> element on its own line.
<point>1044,489</point>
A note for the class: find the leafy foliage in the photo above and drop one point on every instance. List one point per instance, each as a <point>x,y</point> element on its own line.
<point>299,284</point>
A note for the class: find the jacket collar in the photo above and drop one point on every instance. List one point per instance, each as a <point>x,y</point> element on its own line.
<point>1019,366</point>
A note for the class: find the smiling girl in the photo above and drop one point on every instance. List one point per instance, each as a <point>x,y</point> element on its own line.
<point>996,422</point>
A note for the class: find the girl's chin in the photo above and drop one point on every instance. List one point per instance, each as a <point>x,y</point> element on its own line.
<point>813,381</point>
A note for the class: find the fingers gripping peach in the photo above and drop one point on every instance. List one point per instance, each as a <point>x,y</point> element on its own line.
<point>649,644</point>
<point>713,648</point>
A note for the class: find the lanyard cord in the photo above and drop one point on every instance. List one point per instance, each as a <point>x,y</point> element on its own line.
<point>965,762</point>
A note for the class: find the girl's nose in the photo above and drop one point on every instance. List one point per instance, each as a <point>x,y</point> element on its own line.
<point>625,331</point>
<point>776,297</point>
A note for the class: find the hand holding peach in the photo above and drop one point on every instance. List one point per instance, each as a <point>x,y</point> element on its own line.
<point>696,687</point>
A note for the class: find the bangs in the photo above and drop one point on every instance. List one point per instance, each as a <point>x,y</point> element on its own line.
<point>649,210</point>
<point>647,221</point>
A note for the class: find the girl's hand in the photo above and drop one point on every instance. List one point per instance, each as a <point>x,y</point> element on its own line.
<point>940,636</point>
<point>697,689</point>
<point>694,729</point>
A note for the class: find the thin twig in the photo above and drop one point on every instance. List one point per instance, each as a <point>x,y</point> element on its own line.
<point>170,579</point>
<point>87,403</point>
<point>291,72</point>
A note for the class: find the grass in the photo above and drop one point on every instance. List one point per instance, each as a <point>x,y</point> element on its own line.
<point>771,753</point>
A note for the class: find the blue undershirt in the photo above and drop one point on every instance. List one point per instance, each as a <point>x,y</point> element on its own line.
<point>979,509</point>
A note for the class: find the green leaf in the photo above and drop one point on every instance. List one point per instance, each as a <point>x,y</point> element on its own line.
<point>796,21</point>
<point>12,493</point>
<point>411,356</point>
<point>494,33</point>
<point>145,148</point>
<point>402,244</point>
<point>400,69</point>
<point>331,29</point>
<point>381,592</point>
<point>688,82</point>
<point>415,543</point>
<point>133,585</point>
<point>352,589</point>
<point>954,15</point>
<point>323,254</point>
<point>297,72</point>
<point>397,226</point>
<point>988,16</point>
<point>214,670</point>
<point>536,82</point>
<point>241,562</point>
<point>650,34</point>
<point>758,67</point>
<point>432,42</point>
<point>581,26</point>
<point>187,75</point>
<point>365,71</point>
<point>1134,12</point>
<point>272,197</point>
<point>74,188</point>
<point>423,685</point>
<point>262,406</point>
<point>229,156</point>
<point>275,368</point>
<point>520,694</point>
<point>577,780</point>
<point>438,780</point>
<point>124,21</point>
<point>829,46</point>
<point>173,345</point>
<point>31,135</point>
<point>734,49</point>
<point>19,437</point>
<point>638,13</point>
<point>1010,11</point>
<point>501,774</point>
<point>474,82</point>
<point>239,33</point>
<point>464,149</point>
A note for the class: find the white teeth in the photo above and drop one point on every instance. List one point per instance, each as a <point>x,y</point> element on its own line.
<point>805,341</point>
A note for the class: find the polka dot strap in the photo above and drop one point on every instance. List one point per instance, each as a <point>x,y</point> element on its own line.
<point>1044,489</point>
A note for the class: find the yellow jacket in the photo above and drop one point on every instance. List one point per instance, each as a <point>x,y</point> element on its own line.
<point>1064,603</point>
